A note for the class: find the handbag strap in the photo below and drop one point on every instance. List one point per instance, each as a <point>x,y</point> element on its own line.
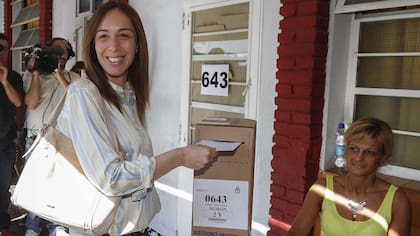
<point>52,121</point>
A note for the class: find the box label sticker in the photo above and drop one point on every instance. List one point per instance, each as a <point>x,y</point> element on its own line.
<point>220,203</point>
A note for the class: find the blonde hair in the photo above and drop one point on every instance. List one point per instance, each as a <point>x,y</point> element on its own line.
<point>375,129</point>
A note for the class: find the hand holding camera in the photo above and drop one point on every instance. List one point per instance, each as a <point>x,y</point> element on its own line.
<point>43,59</point>
<point>30,62</point>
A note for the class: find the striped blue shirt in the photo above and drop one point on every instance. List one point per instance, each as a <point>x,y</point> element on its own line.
<point>83,120</point>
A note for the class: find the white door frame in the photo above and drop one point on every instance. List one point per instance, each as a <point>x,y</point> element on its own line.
<point>254,58</point>
<point>253,81</point>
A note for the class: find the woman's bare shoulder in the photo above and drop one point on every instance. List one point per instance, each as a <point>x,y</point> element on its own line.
<point>318,187</point>
<point>400,197</point>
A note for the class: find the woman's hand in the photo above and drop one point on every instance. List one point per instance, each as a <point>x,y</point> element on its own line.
<point>198,156</point>
<point>58,75</point>
<point>11,92</point>
<point>193,156</point>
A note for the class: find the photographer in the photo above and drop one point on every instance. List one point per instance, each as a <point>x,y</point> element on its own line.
<point>45,83</point>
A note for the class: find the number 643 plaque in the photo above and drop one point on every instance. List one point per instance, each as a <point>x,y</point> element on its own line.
<point>215,79</point>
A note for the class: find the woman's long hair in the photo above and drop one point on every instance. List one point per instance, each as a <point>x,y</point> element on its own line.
<point>138,72</point>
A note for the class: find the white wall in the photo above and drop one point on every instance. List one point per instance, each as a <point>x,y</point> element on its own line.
<point>335,84</point>
<point>64,18</point>
<point>162,21</point>
<point>265,115</point>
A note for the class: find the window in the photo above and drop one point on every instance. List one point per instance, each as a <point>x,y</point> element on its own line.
<point>345,6</point>
<point>25,27</point>
<point>26,15</point>
<point>84,11</point>
<point>84,6</point>
<point>27,22</point>
<point>87,6</point>
<point>27,38</point>
<point>384,81</point>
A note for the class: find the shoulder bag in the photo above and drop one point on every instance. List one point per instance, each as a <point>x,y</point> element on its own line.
<point>54,187</point>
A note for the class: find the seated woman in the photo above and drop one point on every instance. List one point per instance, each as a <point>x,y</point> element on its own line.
<point>358,203</point>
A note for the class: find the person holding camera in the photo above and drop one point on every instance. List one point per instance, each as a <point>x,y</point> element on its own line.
<point>11,98</point>
<point>45,83</point>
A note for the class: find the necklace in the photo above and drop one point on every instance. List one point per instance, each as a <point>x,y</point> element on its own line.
<point>354,206</point>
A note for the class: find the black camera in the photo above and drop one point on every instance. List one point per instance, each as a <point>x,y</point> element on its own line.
<point>46,58</point>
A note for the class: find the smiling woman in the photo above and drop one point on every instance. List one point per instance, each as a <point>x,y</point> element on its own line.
<point>357,202</point>
<point>121,53</point>
<point>116,62</point>
<point>115,43</point>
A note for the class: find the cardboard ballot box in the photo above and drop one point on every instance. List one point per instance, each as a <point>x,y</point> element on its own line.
<point>222,193</point>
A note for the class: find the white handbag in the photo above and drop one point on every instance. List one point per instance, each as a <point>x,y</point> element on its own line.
<point>54,187</point>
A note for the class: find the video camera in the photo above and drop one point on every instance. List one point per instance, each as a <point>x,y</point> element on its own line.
<point>46,58</point>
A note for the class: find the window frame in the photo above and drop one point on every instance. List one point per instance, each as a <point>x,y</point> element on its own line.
<point>26,39</point>
<point>342,8</point>
<point>80,24</point>
<point>89,13</point>
<point>249,110</point>
<point>352,91</point>
<point>26,15</point>
<point>80,14</point>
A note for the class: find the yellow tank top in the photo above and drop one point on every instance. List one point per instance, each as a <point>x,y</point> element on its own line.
<point>332,223</point>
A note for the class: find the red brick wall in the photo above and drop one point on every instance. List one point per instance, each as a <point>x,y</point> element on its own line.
<point>7,20</point>
<point>45,21</point>
<point>302,51</point>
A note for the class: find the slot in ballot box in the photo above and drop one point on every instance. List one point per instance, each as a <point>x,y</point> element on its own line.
<point>222,192</point>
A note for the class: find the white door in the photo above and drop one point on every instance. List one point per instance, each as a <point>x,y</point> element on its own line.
<point>217,71</point>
